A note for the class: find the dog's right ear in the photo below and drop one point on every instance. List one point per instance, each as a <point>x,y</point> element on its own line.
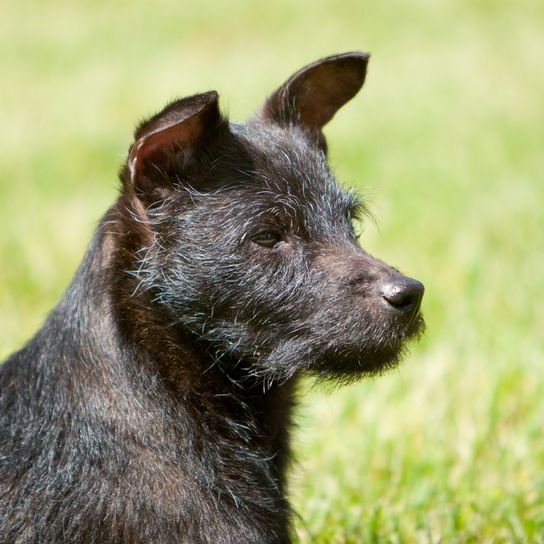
<point>168,143</point>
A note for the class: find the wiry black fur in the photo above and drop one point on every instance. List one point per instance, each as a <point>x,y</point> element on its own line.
<point>154,404</point>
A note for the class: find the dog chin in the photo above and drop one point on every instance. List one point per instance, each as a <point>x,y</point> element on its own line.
<point>348,365</point>
<point>349,368</point>
<point>343,362</point>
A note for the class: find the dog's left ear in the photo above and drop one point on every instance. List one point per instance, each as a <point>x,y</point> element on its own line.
<point>312,96</point>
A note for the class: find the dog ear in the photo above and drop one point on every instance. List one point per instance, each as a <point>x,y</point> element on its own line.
<point>166,144</point>
<point>312,96</point>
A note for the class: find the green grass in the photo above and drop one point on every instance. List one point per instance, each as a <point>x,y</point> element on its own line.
<point>447,141</point>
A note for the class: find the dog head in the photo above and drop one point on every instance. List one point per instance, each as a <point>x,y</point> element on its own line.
<point>249,240</point>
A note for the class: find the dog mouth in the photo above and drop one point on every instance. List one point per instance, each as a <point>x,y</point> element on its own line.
<point>371,356</point>
<point>325,345</point>
<point>343,358</point>
<point>416,327</point>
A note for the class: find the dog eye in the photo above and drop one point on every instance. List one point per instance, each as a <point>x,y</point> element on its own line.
<point>267,238</point>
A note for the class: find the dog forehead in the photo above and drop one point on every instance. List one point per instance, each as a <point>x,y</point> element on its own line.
<point>288,162</point>
<point>284,174</point>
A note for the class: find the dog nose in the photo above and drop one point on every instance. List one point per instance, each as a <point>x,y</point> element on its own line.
<point>404,294</point>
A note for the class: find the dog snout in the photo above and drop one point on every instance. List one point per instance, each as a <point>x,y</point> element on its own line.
<point>403,294</point>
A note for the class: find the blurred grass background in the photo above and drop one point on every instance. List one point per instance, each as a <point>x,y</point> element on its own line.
<point>447,140</point>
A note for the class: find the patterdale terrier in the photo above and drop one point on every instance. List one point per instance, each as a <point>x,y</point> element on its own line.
<point>154,404</point>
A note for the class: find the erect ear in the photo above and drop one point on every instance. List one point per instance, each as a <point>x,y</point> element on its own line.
<point>165,145</point>
<point>312,96</point>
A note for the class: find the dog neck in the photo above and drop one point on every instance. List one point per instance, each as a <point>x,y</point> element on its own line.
<point>149,378</point>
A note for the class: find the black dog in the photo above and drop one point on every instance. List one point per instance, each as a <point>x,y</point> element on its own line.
<point>154,404</point>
